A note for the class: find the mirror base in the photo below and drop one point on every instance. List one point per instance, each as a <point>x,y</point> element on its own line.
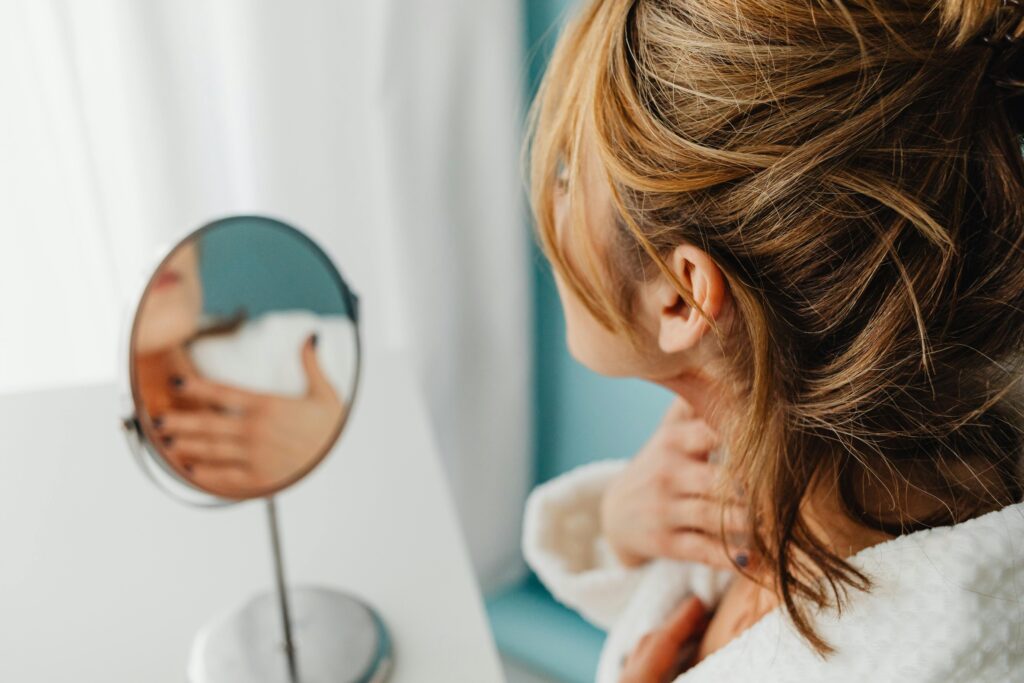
<point>337,637</point>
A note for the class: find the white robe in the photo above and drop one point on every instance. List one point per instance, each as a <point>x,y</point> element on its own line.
<point>947,604</point>
<point>265,353</point>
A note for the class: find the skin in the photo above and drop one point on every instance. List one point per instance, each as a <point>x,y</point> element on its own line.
<point>244,441</point>
<point>664,503</point>
<point>669,500</point>
<point>169,314</point>
<point>168,318</point>
<point>225,440</point>
<point>662,653</point>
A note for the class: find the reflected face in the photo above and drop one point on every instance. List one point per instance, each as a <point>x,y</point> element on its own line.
<point>170,311</point>
<point>248,406</point>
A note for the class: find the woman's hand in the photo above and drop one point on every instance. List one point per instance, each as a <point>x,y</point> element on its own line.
<point>664,653</point>
<point>662,505</point>
<point>245,442</point>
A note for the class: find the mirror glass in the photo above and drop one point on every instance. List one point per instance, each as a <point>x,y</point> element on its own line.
<point>244,358</point>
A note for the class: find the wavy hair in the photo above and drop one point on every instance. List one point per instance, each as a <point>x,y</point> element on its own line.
<point>859,180</point>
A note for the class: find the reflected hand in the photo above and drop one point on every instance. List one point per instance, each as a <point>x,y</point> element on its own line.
<point>661,504</point>
<point>247,441</point>
<point>666,652</point>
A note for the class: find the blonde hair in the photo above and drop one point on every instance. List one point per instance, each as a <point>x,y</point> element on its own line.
<point>859,181</point>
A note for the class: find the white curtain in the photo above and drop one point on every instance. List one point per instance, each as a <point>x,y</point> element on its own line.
<point>388,131</point>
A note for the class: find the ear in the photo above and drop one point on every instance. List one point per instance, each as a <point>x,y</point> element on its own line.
<point>680,326</point>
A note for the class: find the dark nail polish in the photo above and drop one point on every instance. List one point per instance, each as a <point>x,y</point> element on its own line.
<point>168,440</point>
<point>742,559</point>
<point>314,339</point>
<point>158,421</point>
<point>177,381</point>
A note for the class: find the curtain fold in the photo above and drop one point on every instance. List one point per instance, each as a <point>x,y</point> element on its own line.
<point>449,79</point>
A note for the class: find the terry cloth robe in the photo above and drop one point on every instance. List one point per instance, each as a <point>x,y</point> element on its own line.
<point>947,604</point>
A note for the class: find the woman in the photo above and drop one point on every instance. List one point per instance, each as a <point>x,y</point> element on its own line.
<point>243,408</point>
<point>806,219</point>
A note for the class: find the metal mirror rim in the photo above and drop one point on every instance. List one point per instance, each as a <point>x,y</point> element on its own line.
<point>138,432</point>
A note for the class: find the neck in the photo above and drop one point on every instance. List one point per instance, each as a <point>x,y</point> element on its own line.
<point>843,536</point>
<point>702,391</point>
<point>823,513</point>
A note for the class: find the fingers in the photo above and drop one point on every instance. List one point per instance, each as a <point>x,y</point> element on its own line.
<point>316,381</point>
<point>684,622</point>
<point>679,409</point>
<point>202,423</point>
<point>658,655</point>
<point>693,438</point>
<point>688,478</point>
<point>192,449</point>
<point>201,436</point>
<point>694,546</point>
<point>220,478</point>
<point>223,396</point>
<point>708,516</point>
<point>688,471</point>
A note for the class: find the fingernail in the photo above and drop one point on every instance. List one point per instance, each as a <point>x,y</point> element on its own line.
<point>177,381</point>
<point>742,559</point>
<point>158,421</point>
<point>168,440</point>
<point>314,339</point>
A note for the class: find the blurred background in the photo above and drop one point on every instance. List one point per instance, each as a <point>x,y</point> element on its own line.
<point>390,131</point>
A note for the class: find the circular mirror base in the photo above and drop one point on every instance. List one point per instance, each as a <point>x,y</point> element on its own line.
<point>338,639</point>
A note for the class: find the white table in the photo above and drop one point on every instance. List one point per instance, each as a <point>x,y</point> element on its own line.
<point>104,578</point>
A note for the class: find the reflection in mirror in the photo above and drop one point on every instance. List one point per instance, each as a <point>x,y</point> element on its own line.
<point>244,357</point>
<point>243,364</point>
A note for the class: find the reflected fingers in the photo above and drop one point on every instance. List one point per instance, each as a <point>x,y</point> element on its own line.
<point>205,423</point>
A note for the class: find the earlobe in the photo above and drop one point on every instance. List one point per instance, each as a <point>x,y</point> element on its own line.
<point>681,326</point>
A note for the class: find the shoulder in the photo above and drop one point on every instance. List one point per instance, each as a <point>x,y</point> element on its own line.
<point>947,603</point>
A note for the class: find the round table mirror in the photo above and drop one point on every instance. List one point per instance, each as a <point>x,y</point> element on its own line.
<point>243,364</point>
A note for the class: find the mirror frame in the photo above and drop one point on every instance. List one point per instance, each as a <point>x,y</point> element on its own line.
<point>138,430</point>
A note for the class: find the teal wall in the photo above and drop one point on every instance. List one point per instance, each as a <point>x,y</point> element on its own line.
<point>260,265</point>
<point>581,416</point>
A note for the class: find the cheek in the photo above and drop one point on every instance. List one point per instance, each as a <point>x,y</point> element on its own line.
<point>575,317</point>
<point>590,344</point>
<point>167,319</point>
<point>194,299</point>
<point>193,284</point>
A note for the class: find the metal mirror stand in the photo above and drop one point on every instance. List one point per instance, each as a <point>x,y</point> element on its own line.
<point>282,594</point>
